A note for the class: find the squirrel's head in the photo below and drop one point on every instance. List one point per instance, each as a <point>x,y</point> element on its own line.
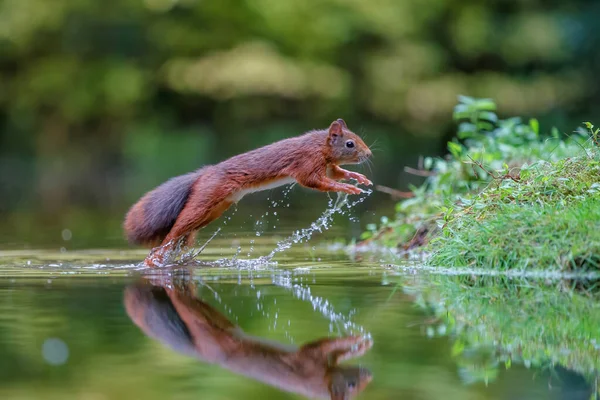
<point>346,147</point>
<point>347,382</point>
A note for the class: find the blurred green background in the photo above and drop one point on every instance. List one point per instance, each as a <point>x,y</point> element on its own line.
<point>100,101</point>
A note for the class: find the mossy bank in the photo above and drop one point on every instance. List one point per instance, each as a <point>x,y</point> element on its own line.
<point>506,196</point>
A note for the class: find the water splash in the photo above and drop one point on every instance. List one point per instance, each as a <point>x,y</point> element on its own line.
<point>322,223</point>
<point>342,323</point>
<point>191,255</point>
<point>340,205</point>
<point>259,225</point>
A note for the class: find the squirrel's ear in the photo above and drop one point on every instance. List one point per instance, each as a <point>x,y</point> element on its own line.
<point>343,123</point>
<point>336,129</point>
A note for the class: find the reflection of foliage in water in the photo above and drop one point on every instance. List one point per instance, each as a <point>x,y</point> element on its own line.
<point>495,322</point>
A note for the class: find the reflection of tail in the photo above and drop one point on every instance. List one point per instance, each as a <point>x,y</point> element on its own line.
<point>150,308</point>
<point>188,325</point>
<point>152,217</point>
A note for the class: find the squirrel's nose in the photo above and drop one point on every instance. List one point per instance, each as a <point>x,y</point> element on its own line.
<point>368,153</point>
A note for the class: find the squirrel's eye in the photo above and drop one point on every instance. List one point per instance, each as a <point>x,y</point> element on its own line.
<point>351,385</point>
<point>349,144</point>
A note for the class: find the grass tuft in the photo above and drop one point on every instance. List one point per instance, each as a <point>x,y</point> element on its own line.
<point>547,218</point>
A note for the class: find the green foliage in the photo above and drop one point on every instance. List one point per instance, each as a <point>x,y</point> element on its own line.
<point>540,214</point>
<point>506,196</point>
<point>486,147</point>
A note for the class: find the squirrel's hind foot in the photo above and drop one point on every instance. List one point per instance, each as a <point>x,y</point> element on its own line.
<point>154,261</point>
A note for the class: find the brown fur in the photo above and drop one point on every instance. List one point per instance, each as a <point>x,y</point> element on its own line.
<point>311,159</point>
<point>171,314</point>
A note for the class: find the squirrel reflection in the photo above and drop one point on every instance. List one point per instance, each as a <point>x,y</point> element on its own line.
<point>172,314</point>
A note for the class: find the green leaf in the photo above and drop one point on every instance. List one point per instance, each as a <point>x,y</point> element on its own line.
<point>455,149</point>
<point>458,115</point>
<point>457,348</point>
<point>428,163</point>
<point>465,99</point>
<point>534,125</point>
<point>485,126</point>
<point>461,111</point>
<point>466,130</point>
<point>485,104</point>
<point>488,115</point>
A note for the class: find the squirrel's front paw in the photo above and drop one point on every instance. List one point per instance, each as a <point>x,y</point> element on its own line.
<point>360,178</point>
<point>356,350</point>
<point>351,189</point>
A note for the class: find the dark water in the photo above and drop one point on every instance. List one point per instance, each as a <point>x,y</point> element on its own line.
<point>65,332</point>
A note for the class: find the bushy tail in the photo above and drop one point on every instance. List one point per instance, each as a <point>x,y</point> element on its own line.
<point>153,216</point>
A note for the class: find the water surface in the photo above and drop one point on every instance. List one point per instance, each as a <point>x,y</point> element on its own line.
<point>65,332</point>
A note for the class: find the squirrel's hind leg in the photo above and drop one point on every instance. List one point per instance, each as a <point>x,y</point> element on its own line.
<point>190,239</point>
<point>199,211</point>
<point>156,258</point>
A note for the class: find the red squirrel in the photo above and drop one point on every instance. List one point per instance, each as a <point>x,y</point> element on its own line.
<point>174,211</point>
<point>171,314</point>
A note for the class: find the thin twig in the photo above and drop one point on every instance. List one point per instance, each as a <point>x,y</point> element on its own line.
<point>419,172</point>
<point>493,174</point>
<point>394,192</point>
